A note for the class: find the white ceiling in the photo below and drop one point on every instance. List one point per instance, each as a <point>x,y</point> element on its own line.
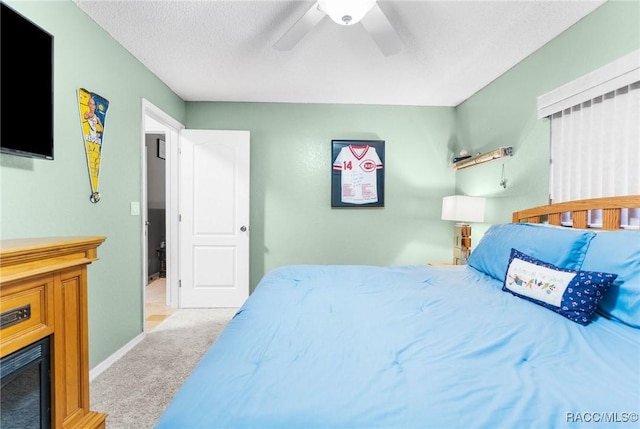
<point>223,50</point>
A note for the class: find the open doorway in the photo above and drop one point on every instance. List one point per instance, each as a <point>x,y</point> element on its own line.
<point>156,206</point>
<point>156,308</point>
<point>159,191</point>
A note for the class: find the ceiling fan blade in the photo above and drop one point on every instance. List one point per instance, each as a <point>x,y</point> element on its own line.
<point>381,30</point>
<point>300,28</point>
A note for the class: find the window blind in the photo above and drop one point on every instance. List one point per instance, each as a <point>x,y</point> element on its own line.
<point>595,136</point>
<point>595,150</point>
<point>595,147</point>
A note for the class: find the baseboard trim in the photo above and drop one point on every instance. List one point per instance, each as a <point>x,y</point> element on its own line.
<point>102,366</point>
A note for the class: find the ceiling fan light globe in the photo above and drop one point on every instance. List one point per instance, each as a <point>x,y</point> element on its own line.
<point>346,12</point>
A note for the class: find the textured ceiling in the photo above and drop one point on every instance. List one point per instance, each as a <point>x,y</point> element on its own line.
<point>223,50</point>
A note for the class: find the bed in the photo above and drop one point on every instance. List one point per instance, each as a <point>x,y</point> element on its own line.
<point>476,346</point>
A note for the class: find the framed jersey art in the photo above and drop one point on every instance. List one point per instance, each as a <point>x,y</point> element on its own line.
<point>357,173</point>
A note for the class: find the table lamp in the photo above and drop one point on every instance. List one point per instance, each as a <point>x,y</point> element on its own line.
<point>462,209</point>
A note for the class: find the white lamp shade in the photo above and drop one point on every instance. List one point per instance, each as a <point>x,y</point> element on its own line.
<point>461,208</point>
<point>346,12</point>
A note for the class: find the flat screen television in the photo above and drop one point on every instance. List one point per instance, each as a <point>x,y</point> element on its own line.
<point>26,88</point>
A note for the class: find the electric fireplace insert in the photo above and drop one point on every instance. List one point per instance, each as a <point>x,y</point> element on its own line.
<point>25,394</point>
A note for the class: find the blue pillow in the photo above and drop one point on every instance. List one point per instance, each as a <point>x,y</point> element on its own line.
<point>562,247</point>
<point>618,252</point>
<point>570,293</point>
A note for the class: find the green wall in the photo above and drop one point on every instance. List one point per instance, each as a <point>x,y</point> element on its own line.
<point>51,198</point>
<point>292,221</point>
<point>505,112</point>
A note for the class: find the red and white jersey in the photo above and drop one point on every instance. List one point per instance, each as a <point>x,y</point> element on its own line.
<point>359,165</point>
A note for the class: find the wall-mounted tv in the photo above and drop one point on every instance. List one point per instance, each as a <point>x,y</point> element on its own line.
<point>26,88</point>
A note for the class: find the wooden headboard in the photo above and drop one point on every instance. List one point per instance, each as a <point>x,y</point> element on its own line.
<point>579,209</point>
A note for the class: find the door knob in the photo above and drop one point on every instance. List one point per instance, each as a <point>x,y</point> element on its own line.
<point>243,228</point>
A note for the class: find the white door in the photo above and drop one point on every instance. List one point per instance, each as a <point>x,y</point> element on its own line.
<point>214,211</point>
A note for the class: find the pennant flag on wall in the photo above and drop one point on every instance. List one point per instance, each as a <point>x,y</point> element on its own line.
<point>93,112</point>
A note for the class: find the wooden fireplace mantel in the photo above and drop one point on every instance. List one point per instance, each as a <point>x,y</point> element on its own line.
<point>49,277</point>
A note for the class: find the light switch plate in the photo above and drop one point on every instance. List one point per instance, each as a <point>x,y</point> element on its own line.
<point>135,208</point>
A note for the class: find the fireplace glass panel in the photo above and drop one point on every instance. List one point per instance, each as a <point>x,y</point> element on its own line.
<point>25,390</point>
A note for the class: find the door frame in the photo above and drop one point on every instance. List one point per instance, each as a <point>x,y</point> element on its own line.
<point>155,120</point>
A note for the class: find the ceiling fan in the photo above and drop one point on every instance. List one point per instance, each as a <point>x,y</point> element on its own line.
<point>345,12</point>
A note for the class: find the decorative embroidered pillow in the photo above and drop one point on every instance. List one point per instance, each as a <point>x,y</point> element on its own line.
<point>570,293</point>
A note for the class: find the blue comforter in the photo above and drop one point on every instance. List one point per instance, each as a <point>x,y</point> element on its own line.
<point>407,347</point>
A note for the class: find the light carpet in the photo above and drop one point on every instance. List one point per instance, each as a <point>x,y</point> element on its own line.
<point>137,388</point>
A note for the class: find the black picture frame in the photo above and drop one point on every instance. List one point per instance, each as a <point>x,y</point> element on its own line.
<point>363,158</point>
<point>162,147</point>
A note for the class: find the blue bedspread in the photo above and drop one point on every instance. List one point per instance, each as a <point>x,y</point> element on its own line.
<point>407,347</point>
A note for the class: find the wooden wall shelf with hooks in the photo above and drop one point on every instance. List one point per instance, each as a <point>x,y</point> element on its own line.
<point>483,157</point>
